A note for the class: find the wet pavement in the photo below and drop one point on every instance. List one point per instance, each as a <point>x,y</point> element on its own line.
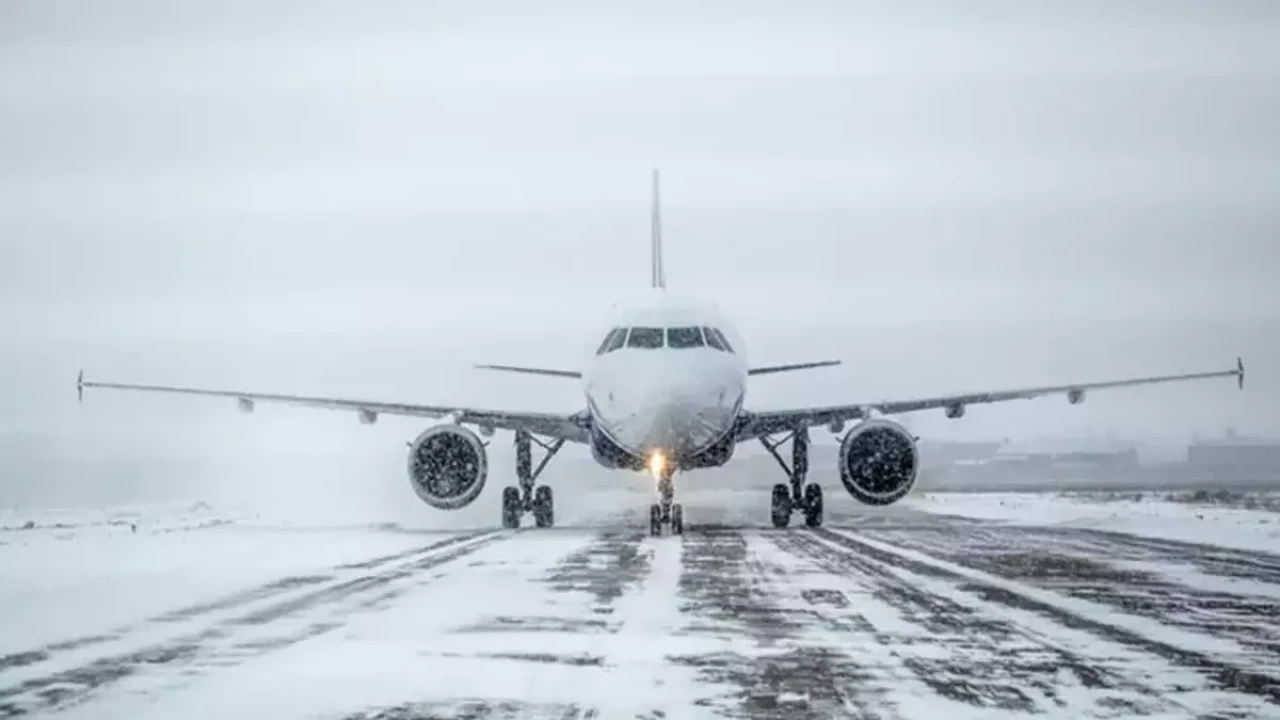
<point>897,615</point>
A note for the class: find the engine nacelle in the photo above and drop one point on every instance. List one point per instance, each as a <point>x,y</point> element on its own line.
<point>878,462</point>
<point>955,411</point>
<point>245,405</point>
<point>367,417</point>
<point>447,466</point>
<point>1075,397</point>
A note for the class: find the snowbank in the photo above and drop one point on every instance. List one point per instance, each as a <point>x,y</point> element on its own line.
<point>1155,516</point>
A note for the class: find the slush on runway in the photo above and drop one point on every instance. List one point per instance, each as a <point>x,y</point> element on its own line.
<point>900,614</point>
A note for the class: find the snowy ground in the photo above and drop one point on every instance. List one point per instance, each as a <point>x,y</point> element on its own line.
<point>1158,515</point>
<point>886,613</point>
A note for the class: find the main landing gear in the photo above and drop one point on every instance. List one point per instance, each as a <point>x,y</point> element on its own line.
<point>665,511</point>
<point>516,501</point>
<point>785,500</point>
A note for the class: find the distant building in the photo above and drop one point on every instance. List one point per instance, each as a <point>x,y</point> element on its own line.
<point>1023,465</point>
<point>1072,454</point>
<point>1235,457</point>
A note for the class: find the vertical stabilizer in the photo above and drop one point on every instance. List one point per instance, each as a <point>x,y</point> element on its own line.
<point>658,276</point>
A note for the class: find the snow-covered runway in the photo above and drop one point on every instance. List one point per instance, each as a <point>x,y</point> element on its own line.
<point>889,613</point>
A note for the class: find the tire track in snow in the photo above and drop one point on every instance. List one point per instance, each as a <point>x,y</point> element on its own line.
<point>755,642</point>
<point>77,684</point>
<point>958,651</point>
<point>231,601</point>
<point>1238,673</point>
<point>604,570</point>
<point>1124,572</point>
<point>578,613</point>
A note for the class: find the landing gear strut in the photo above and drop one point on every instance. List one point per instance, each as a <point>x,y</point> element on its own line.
<point>665,510</point>
<point>785,500</point>
<point>516,501</point>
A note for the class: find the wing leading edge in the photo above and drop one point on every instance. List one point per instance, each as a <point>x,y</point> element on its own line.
<point>571,427</point>
<point>770,369</point>
<point>553,372</point>
<point>756,424</point>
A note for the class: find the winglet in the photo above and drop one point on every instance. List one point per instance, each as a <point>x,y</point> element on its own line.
<point>80,387</point>
<point>1239,372</point>
<point>658,276</point>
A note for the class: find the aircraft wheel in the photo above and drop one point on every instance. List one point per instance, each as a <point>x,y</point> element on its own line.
<point>677,519</point>
<point>511,507</point>
<point>544,509</point>
<point>780,506</point>
<point>813,505</point>
<point>655,519</point>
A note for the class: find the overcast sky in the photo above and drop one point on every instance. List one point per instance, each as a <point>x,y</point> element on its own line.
<point>974,194</point>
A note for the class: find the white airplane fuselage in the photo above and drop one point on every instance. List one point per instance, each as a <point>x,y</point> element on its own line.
<point>666,405</point>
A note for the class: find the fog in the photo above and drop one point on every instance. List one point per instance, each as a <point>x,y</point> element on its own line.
<point>361,200</point>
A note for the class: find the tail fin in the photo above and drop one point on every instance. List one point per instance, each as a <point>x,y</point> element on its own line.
<point>658,276</point>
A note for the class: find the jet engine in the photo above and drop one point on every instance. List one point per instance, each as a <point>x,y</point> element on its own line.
<point>447,466</point>
<point>878,462</point>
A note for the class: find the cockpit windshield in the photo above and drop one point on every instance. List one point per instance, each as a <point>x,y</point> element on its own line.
<point>717,340</point>
<point>648,338</point>
<point>612,341</point>
<point>617,341</point>
<point>652,338</point>
<point>684,337</point>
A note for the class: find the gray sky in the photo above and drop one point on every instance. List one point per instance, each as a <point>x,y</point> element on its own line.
<point>973,194</point>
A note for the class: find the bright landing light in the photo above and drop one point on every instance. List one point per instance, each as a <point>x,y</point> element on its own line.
<point>657,463</point>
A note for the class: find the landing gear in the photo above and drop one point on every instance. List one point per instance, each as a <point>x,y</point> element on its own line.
<point>512,508</point>
<point>813,505</point>
<point>516,501</point>
<point>780,506</point>
<point>785,500</point>
<point>665,511</point>
<point>544,509</point>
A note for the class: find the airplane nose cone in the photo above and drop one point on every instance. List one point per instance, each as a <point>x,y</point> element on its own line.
<point>678,419</point>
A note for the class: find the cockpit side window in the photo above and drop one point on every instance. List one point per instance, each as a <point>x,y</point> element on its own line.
<point>717,340</point>
<point>648,338</point>
<point>723,340</point>
<point>608,340</point>
<point>618,340</point>
<point>684,337</point>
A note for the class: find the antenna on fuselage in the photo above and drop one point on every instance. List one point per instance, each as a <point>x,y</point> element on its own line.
<point>658,276</point>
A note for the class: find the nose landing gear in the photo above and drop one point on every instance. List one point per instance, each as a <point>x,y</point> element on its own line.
<point>665,511</point>
<point>786,500</point>
<point>516,501</point>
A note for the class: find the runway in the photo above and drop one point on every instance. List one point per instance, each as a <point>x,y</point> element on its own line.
<point>882,614</point>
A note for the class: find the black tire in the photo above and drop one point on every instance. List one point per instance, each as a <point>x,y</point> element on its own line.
<point>780,506</point>
<point>544,508</point>
<point>813,505</point>
<point>677,520</point>
<point>511,509</point>
<point>655,519</point>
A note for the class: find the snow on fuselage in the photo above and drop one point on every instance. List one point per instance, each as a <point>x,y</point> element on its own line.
<point>669,389</point>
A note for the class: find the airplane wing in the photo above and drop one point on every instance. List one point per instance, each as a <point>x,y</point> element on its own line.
<point>571,427</point>
<point>755,424</point>
<point>770,369</point>
<point>533,371</point>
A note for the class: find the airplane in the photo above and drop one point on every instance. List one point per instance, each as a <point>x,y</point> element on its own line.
<point>664,393</point>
